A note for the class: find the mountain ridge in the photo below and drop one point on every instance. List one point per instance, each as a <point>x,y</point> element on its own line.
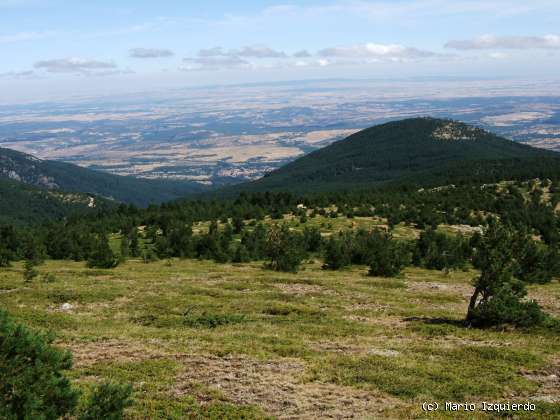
<point>54,175</point>
<point>401,150</point>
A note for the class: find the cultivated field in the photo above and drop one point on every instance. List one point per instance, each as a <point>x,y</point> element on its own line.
<point>204,340</point>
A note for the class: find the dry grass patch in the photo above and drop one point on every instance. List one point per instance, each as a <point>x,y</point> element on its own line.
<point>278,387</point>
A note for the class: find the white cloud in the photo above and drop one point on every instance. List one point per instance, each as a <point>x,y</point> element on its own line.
<point>507,42</point>
<point>375,51</point>
<point>150,53</point>
<point>260,52</point>
<point>256,51</point>
<point>213,63</point>
<point>74,65</point>
<point>218,58</point>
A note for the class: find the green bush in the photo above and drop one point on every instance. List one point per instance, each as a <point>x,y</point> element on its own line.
<point>499,291</point>
<point>338,252</point>
<point>439,251</point>
<point>506,308</point>
<point>210,320</point>
<point>107,402</point>
<point>29,272</point>
<point>284,249</point>
<point>387,257</point>
<point>102,255</point>
<point>33,384</point>
<point>32,380</point>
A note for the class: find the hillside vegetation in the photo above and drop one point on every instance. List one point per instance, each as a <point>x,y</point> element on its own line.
<point>418,150</point>
<point>352,303</point>
<point>71,178</point>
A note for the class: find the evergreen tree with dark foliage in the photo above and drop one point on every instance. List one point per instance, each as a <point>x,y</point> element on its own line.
<point>387,256</point>
<point>435,250</point>
<point>498,294</point>
<point>32,382</point>
<point>102,255</point>
<point>338,252</point>
<point>284,249</point>
<point>134,243</point>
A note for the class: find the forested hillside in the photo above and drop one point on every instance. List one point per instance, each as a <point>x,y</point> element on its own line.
<point>71,178</point>
<point>420,150</point>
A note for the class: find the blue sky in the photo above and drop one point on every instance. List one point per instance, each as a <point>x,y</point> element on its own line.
<point>55,47</point>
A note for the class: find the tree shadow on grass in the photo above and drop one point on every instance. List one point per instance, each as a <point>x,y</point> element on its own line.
<point>461,323</point>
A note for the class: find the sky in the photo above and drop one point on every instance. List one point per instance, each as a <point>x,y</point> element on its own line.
<point>56,48</point>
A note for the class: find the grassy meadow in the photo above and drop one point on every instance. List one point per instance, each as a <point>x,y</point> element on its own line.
<point>204,340</point>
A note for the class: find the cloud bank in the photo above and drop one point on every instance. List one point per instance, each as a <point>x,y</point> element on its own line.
<point>507,42</point>
<point>150,53</point>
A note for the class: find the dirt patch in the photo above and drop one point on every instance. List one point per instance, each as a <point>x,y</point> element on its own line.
<point>549,303</point>
<point>451,288</point>
<point>387,321</point>
<point>88,354</point>
<point>368,307</point>
<point>549,381</point>
<point>302,289</point>
<point>277,387</point>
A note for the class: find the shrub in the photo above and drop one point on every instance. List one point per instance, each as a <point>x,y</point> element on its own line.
<point>49,278</point>
<point>537,263</point>
<point>498,295</point>
<point>439,251</point>
<point>32,382</point>
<point>107,401</point>
<point>241,254</point>
<point>284,249</point>
<point>210,320</point>
<point>312,239</point>
<point>387,256</point>
<point>338,253</point>
<point>506,308</point>
<point>29,272</point>
<point>102,255</point>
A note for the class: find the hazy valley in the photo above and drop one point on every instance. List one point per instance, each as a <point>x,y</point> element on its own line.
<point>223,135</point>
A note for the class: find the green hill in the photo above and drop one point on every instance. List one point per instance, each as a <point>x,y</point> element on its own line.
<point>420,150</point>
<point>66,177</point>
<point>25,204</point>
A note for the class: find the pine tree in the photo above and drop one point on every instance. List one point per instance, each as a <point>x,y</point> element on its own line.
<point>134,243</point>
<point>29,273</point>
<point>238,225</point>
<point>338,253</point>
<point>125,247</point>
<point>102,255</point>
<point>498,295</point>
<point>284,249</point>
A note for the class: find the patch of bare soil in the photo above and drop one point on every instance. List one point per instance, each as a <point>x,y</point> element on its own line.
<point>276,386</point>
<point>88,354</point>
<point>549,381</point>
<point>301,289</point>
<point>464,290</point>
<point>347,348</point>
<point>550,304</point>
<point>368,307</point>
